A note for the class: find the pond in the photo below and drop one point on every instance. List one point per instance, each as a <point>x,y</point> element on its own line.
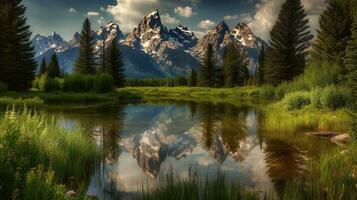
<point>142,142</point>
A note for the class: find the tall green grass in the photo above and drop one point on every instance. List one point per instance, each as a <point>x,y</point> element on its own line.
<point>28,140</point>
<point>194,188</point>
<point>21,102</point>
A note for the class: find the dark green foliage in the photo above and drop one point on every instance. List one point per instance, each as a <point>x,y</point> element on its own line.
<point>85,63</point>
<point>330,97</point>
<point>193,78</point>
<point>103,83</point>
<point>53,70</point>
<point>43,68</point>
<point>235,66</point>
<point>289,40</point>
<point>297,101</point>
<point>17,54</point>
<point>334,34</point>
<point>208,68</point>
<point>156,82</point>
<point>219,77</point>
<point>260,70</point>
<point>40,184</point>
<point>351,66</point>
<point>78,83</point>
<point>88,83</point>
<point>114,64</point>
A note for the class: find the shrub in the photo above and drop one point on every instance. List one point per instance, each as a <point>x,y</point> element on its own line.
<point>40,184</point>
<point>46,84</point>
<point>334,98</point>
<point>267,92</point>
<point>297,100</point>
<point>78,83</point>
<point>316,97</point>
<point>103,83</point>
<point>322,75</point>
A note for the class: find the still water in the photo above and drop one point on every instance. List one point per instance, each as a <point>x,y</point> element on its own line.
<point>143,142</point>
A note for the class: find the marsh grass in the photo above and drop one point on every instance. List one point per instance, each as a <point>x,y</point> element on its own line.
<point>21,102</point>
<point>194,93</point>
<point>299,111</point>
<point>194,188</point>
<point>29,139</point>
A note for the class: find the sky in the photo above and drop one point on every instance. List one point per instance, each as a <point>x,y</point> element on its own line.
<point>65,17</point>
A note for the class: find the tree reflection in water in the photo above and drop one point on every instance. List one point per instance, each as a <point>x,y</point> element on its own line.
<point>285,162</point>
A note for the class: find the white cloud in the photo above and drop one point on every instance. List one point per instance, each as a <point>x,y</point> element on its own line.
<point>244,17</point>
<point>167,19</point>
<point>199,34</point>
<point>93,13</point>
<point>268,10</point>
<point>72,10</point>
<point>206,24</point>
<point>129,12</point>
<point>230,17</point>
<point>185,11</point>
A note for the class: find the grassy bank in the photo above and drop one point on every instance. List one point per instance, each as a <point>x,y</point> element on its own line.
<point>194,93</point>
<point>36,99</point>
<point>29,140</point>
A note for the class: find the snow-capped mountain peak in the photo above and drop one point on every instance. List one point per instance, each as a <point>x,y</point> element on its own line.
<point>44,43</point>
<point>244,35</point>
<point>182,35</point>
<point>110,31</point>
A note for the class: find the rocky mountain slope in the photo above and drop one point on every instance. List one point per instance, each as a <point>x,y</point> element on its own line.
<point>151,50</point>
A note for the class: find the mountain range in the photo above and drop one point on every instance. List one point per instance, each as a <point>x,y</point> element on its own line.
<point>151,50</point>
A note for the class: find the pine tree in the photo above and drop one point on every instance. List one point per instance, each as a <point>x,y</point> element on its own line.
<point>18,66</point>
<point>235,66</point>
<point>334,34</point>
<point>53,69</point>
<point>260,69</point>
<point>208,68</point>
<point>193,78</point>
<point>1,39</point>
<point>43,67</point>
<point>289,40</point>
<point>351,65</point>
<point>114,64</point>
<point>219,77</point>
<point>85,63</point>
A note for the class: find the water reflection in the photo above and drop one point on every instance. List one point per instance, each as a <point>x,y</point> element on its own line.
<point>142,142</point>
<point>285,162</point>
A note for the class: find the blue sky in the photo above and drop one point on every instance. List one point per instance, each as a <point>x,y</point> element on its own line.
<point>66,16</point>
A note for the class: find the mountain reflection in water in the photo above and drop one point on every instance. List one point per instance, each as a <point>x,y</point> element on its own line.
<point>141,143</point>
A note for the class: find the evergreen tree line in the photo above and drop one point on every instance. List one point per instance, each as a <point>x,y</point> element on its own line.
<point>17,63</point>
<point>110,59</point>
<point>232,73</point>
<point>158,82</point>
<point>291,47</point>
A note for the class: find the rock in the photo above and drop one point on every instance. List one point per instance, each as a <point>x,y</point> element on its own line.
<point>70,193</point>
<point>341,140</point>
<point>328,134</point>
